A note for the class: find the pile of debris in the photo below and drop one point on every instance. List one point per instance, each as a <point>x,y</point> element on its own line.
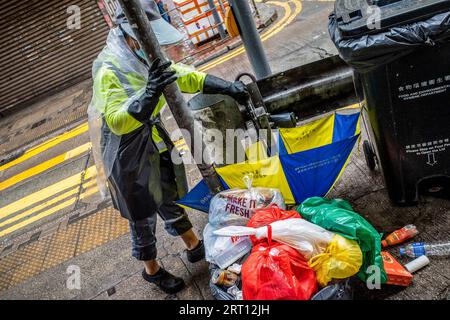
<point>258,250</point>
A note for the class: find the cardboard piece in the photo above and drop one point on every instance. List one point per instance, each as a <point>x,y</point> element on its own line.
<point>397,274</point>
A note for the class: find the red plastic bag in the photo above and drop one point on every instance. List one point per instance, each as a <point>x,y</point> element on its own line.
<point>277,272</point>
<point>264,217</point>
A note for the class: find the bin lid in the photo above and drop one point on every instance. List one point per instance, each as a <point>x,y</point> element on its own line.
<point>356,18</point>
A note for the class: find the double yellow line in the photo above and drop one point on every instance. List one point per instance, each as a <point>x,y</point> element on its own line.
<point>47,145</point>
<point>277,27</point>
<point>87,193</point>
<point>44,166</point>
<point>70,186</point>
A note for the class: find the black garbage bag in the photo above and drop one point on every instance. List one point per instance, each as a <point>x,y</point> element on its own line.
<point>371,50</point>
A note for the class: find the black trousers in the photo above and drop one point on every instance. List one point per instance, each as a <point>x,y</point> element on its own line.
<point>176,221</point>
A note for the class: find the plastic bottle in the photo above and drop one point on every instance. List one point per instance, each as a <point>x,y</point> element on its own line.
<point>417,264</point>
<point>418,249</point>
<point>400,235</point>
<point>233,253</point>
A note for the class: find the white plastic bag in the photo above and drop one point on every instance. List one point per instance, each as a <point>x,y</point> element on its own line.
<point>236,206</point>
<point>309,239</point>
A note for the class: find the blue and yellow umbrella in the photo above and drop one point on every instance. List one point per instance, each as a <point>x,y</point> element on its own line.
<point>310,160</point>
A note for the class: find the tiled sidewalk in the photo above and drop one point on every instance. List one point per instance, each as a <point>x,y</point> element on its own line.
<point>77,238</point>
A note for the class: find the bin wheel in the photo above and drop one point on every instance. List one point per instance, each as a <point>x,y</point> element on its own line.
<point>369,155</point>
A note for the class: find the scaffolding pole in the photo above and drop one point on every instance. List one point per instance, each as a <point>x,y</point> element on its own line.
<point>146,37</point>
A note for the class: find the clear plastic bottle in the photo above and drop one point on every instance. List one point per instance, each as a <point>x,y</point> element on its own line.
<point>418,249</point>
<point>233,253</point>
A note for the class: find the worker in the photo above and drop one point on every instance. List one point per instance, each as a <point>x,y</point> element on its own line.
<point>132,149</point>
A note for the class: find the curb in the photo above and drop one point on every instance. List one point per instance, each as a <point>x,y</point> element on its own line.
<point>9,246</point>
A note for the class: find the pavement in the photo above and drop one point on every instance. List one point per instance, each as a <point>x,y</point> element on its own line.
<point>53,221</point>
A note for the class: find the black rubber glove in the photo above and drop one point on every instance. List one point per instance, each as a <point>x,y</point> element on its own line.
<point>237,90</point>
<point>158,78</point>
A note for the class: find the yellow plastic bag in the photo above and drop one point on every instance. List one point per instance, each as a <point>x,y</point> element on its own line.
<point>341,259</point>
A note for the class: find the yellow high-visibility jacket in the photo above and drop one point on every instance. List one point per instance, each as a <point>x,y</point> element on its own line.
<point>110,87</point>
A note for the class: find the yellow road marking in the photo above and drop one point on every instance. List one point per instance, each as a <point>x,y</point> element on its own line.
<point>49,212</point>
<point>288,18</point>
<point>46,192</point>
<point>291,17</point>
<point>44,166</point>
<point>268,34</point>
<point>46,204</point>
<point>241,49</point>
<point>46,145</point>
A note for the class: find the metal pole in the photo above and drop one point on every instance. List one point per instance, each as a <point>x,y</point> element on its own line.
<point>217,19</point>
<point>250,38</point>
<point>222,7</point>
<point>146,37</point>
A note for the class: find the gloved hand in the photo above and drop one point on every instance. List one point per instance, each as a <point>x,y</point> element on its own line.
<point>158,78</point>
<point>237,90</point>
